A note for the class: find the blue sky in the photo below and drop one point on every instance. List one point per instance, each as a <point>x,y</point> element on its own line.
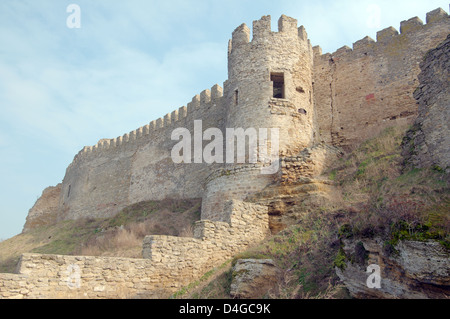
<point>130,62</point>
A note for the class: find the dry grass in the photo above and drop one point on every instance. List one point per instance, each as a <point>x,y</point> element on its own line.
<point>289,288</point>
<point>172,218</point>
<point>377,194</point>
<point>120,236</point>
<point>305,253</point>
<point>10,251</point>
<point>383,197</point>
<point>120,242</point>
<point>187,231</point>
<point>215,284</point>
<point>361,173</point>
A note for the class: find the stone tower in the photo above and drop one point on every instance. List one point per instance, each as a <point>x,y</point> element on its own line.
<point>269,86</point>
<point>270,82</point>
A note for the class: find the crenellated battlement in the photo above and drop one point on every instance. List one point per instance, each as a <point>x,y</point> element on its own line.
<point>362,89</point>
<point>363,44</point>
<point>388,37</point>
<point>240,36</point>
<point>287,25</point>
<point>262,31</point>
<point>319,104</point>
<point>410,25</point>
<point>436,15</point>
<point>262,28</point>
<point>198,103</point>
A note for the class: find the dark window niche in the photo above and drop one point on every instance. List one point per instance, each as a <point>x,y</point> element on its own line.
<point>278,85</point>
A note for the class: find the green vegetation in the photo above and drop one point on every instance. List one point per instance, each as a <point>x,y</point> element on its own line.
<point>340,260</point>
<point>385,198</point>
<point>304,251</point>
<point>214,284</point>
<point>380,197</point>
<point>332,176</point>
<point>119,236</point>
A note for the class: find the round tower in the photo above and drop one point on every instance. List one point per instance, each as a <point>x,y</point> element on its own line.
<point>270,82</point>
<point>269,87</point>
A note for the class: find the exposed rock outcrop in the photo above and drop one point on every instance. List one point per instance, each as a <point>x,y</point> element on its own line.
<point>45,210</point>
<point>427,143</point>
<point>253,278</point>
<point>417,270</point>
<point>301,188</point>
<point>412,269</point>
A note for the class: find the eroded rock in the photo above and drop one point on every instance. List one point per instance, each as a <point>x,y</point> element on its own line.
<point>253,278</point>
<point>416,270</point>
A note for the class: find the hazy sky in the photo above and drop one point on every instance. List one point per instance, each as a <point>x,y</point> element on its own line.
<point>131,62</point>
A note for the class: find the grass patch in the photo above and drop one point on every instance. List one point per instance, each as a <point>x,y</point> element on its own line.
<point>385,198</point>
<point>214,284</point>
<point>305,253</point>
<point>119,236</point>
<point>341,260</point>
<point>122,235</point>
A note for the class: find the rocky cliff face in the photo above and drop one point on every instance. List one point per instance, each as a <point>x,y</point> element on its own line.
<point>427,143</point>
<point>45,210</point>
<point>416,269</point>
<point>373,268</point>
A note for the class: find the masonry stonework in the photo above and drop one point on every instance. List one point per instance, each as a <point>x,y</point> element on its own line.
<point>339,99</point>
<point>321,104</point>
<point>169,262</point>
<point>427,143</point>
<point>360,91</point>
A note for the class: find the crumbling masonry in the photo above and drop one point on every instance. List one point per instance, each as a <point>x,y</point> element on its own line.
<point>319,102</point>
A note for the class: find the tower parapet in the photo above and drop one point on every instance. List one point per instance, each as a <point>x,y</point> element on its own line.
<point>356,91</point>
<point>272,67</point>
<point>269,87</point>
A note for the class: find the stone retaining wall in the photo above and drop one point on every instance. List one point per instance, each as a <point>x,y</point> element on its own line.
<point>169,262</point>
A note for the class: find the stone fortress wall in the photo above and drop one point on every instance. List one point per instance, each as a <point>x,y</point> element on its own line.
<point>324,100</point>
<point>105,178</point>
<point>339,99</point>
<point>137,166</point>
<point>168,264</point>
<point>427,143</point>
<point>360,91</point>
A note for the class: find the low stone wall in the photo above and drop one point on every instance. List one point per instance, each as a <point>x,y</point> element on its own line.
<point>13,286</point>
<point>213,242</point>
<point>55,276</point>
<point>169,262</point>
<point>233,183</point>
